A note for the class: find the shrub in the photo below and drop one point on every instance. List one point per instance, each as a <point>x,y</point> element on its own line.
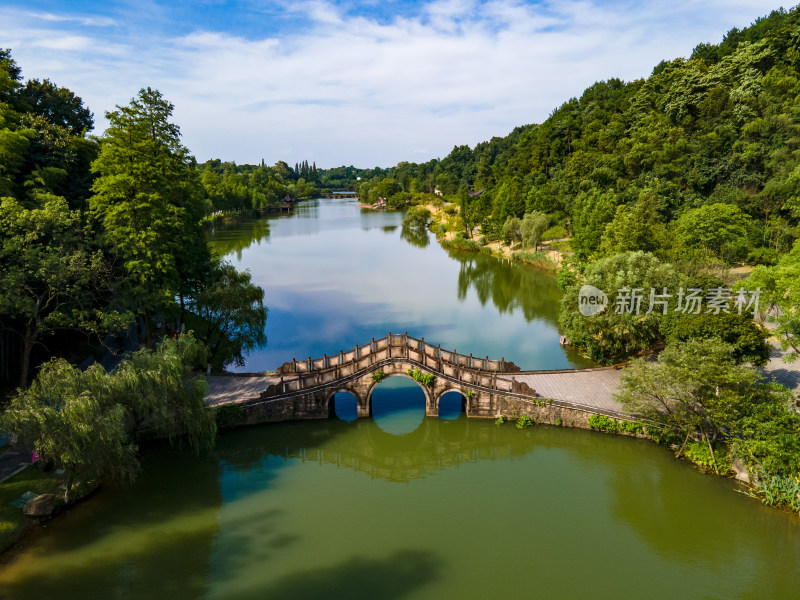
<point>630,427</point>
<point>779,491</point>
<point>556,232</point>
<point>603,423</point>
<point>420,377</point>
<point>536,258</point>
<point>699,453</point>
<point>378,376</point>
<point>524,421</point>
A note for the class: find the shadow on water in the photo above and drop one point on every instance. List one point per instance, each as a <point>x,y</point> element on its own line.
<point>416,236</point>
<point>111,545</point>
<point>674,510</point>
<point>357,578</point>
<point>236,234</point>
<point>510,286</point>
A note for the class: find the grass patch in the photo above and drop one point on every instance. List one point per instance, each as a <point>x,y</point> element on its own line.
<point>468,245</point>
<point>31,479</point>
<point>539,259</point>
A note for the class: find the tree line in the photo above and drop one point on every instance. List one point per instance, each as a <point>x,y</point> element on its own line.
<point>103,252</point>
<point>663,184</point>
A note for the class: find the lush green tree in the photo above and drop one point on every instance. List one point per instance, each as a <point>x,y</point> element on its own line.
<point>721,228</point>
<point>149,202</point>
<point>59,106</point>
<point>533,225</point>
<point>512,230</point>
<point>592,213</point>
<point>471,211</point>
<point>694,389</point>
<point>630,322</point>
<point>162,396</point>
<point>230,315</point>
<point>417,217</point>
<point>746,339</point>
<point>88,422</point>
<point>780,298</point>
<point>698,390</point>
<point>49,277</point>
<point>636,227</point>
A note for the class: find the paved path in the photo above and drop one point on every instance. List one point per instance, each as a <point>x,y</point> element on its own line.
<point>593,388</point>
<point>13,459</point>
<point>233,389</point>
<point>787,374</point>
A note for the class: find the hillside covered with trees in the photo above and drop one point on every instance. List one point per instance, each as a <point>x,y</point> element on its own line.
<point>701,156</point>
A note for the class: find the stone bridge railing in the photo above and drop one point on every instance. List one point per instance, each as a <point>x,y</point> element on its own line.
<point>398,346</point>
<point>298,376</point>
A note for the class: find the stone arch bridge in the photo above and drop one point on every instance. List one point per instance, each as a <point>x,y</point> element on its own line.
<point>305,389</point>
<point>312,383</point>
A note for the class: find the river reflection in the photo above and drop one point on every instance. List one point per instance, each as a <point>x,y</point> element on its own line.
<point>452,508</point>
<point>335,276</point>
<point>288,510</point>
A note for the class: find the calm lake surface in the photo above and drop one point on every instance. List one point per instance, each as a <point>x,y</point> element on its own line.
<point>401,506</point>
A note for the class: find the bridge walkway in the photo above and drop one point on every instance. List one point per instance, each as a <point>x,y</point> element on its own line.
<point>591,387</point>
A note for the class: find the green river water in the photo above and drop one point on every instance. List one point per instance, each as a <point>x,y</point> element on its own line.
<point>402,506</point>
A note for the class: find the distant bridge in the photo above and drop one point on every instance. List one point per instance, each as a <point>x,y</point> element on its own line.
<point>305,389</point>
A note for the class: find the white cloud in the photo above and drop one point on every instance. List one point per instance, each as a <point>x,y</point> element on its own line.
<point>349,89</point>
<point>87,21</point>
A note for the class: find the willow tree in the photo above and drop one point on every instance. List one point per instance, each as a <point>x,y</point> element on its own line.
<point>66,416</point>
<point>149,202</point>
<point>89,423</point>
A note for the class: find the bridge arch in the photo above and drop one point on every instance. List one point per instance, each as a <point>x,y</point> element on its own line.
<point>450,390</point>
<point>399,373</point>
<point>330,400</point>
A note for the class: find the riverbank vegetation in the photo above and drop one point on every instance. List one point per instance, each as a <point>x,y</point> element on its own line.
<point>716,410</point>
<point>675,197</point>
<point>104,263</point>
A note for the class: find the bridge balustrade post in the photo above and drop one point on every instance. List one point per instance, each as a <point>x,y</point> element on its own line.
<point>310,365</point>
<point>294,364</point>
<point>324,361</point>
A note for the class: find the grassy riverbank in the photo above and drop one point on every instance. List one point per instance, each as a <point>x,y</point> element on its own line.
<point>12,522</point>
<point>446,225</point>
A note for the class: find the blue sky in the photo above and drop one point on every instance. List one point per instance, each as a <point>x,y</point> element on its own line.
<point>368,83</point>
